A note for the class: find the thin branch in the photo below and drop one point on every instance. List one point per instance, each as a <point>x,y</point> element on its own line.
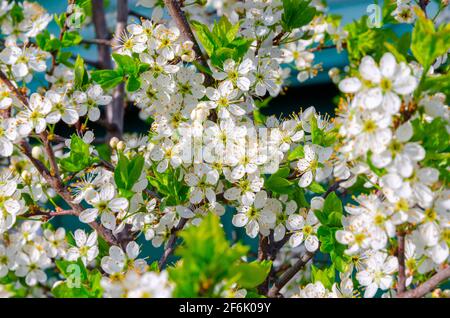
<point>289,274</point>
<point>428,286</point>
<point>182,23</point>
<point>104,42</point>
<point>170,246</point>
<point>423,5</point>
<point>401,286</point>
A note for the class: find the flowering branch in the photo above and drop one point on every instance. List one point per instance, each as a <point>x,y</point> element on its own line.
<point>170,246</point>
<point>289,274</point>
<point>181,21</point>
<point>428,286</point>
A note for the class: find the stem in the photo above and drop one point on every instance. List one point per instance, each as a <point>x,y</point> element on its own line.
<point>423,5</point>
<point>428,286</point>
<point>401,287</point>
<point>170,246</point>
<point>182,23</point>
<point>289,274</point>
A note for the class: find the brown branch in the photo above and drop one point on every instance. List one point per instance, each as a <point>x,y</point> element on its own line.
<point>170,246</point>
<point>101,33</point>
<point>277,39</point>
<point>105,42</point>
<point>182,23</point>
<point>401,286</point>
<point>423,5</point>
<point>428,286</point>
<point>289,274</point>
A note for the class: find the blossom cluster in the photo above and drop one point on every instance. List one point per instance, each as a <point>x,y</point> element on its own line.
<point>209,150</point>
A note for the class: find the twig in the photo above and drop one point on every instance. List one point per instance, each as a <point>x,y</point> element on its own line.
<point>289,274</point>
<point>401,286</point>
<point>428,286</point>
<point>105,42</point>
<point>170,246</point>
<point>180,19</point>
<point>101,33</point>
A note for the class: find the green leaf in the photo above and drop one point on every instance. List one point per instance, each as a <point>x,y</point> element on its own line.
<point>133,83</point>
<point>81,76</point>
<point>79,157</point>
<point>209,263</point>
<point>205,37</point>
<point>127,173</point>
<point>251,274</point>
<point>332,204</point>
<point>427,42</point>
<point>71,39</point>
<point>126,63</point>
<point>326,276</point>
<point>297,153</point>
<point>107,78</point>
<point>316,188</point>
<point>296,13</point>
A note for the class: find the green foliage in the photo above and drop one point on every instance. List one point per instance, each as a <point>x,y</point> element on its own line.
<point>278,182</point>
<point>320,136</point>
<point>222,43</point>
<point>129,69</point>
<point>79,283</point>
<point>326,276</point>
<point>127,173</point>
<point>316,187</point>
<point>79,157</point>
<point>435,140</point>
<point>297,153</point>
<point>331,221</point>
<point>71,38</point>
<point>210,265</point>
<point>363,40</point>
<point>46,43</point>
<point>81,75</point>
<point>297,13</point>
<point>107,78</point>
<point>427,42</point>
<point>170,185</point>
<point>438,83</point>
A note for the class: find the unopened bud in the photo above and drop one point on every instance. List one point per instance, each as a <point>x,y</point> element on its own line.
<point>444,3</point>
<point>113,142</point>
<point>121,146</point>
<point>26,176</point>
<point>36,152</point>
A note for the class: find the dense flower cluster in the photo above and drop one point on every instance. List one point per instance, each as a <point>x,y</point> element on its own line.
<point>209,149</point>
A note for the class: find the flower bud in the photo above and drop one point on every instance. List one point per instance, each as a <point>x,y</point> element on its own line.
<point>26,176</point>
<point>36,152</point>
<point>121,146</point>
<point>113,142</point>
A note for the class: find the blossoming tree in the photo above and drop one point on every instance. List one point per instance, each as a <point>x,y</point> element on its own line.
<point>356,205</point>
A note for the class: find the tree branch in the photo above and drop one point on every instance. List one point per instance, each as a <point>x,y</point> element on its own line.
<point>170,246</point>
<point>182,23</point>
<point>289,274</point>
<point>428,286</point>
<point>401,286</point>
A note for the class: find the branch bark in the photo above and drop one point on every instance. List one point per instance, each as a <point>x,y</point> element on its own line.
<point>170,246</point>
<point>428,286</point>
<point>401,286</point>
<point>289,274</point>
